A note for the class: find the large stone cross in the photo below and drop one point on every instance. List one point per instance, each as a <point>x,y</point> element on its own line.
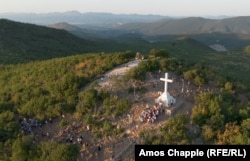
<point>166,80</point>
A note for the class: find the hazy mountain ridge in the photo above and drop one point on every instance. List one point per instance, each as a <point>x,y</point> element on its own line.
<point>146,24</point>
<point>75,17</point>
<point>22,42</point>
<point>225,32</point>
<point>191,25</point>
<point>209,31</point>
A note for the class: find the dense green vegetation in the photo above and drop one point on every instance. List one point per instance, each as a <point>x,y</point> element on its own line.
<point>97,108</point>
<point>48,89</point>
<point>220,121</point>
<point>25,149</point>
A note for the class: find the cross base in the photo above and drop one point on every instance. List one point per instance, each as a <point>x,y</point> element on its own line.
<point>166,99</point>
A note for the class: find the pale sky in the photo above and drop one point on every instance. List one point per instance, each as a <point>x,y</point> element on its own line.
<point>157,7</point>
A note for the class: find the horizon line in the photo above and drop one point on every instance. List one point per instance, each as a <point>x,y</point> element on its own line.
<point>143,14</point>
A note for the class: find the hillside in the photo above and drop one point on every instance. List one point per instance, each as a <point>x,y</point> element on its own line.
<point>183,45</point>
<point>45,89</point>
<point>64,26</point>
<point>92,33</point>
<point>191,25</point>
<point>49,93</point>
<point>20,42</point>
<point>232,33</point>
<point>232,41</point>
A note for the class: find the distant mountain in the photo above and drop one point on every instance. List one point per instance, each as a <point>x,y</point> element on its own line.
<point>64,26</point>
<point>85,19</point>
<point>94,33</point>
<point>217,38</point>
<point>20,42</point>
<point>231,33</point>
<point>191,25</point>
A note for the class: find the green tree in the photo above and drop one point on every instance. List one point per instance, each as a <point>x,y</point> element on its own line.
<point>208,133</point>
<point>107,128</point>
<point>8,126</point>
<point>88,100</point>
<point>196,76</point>
<point>175,130</point>
<point>216,121</point>
<point>244,112</point>
<point>190,75</point>
<point>156,53</point>
<point>23,149</point>
<point>199,81</point>
<point>134,76</point>
<point>52,151</point>
<point>200,114</point>
<point>208,111</point>
<point>245,128</point>
<point>231,135</point>
<point>170,64</point>
<point>149,65</point>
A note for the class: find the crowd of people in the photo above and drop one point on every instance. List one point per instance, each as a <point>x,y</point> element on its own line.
<point>27,125</point>
<point>70,134</point>
<point>149,114</point>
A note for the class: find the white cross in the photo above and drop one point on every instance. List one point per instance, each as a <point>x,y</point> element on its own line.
<point>166,80</point>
